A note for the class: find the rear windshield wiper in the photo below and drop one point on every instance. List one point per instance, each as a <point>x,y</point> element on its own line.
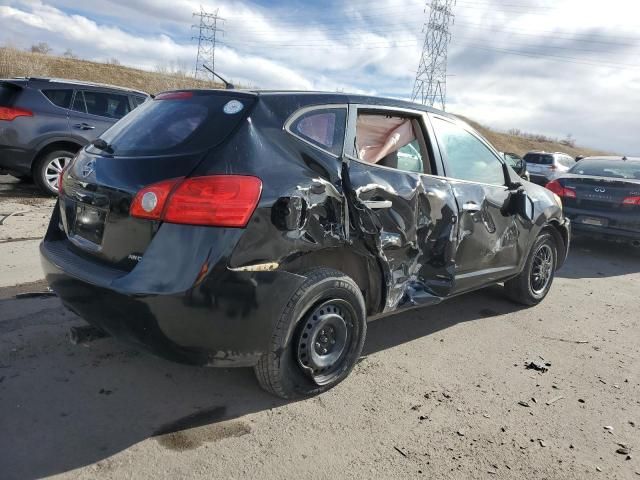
<point>100,144</point>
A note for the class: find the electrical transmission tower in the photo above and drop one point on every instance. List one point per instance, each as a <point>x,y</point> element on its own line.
<point>208,29</point>
<point>430,86</point>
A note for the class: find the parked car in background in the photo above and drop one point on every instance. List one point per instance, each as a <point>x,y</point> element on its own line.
<point>601,196</point>
<point>518,164</point>
<point>545,166</point>
<point>238,228</point>
<point>45,121</point>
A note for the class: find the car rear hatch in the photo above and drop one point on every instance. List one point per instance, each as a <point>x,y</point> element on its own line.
<point>601,201</point>
<point>163,139</point>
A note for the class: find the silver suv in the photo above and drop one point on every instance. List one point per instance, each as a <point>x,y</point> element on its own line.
<point>545,166</point>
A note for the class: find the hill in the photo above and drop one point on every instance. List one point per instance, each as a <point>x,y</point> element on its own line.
<point>522,142</point>
<point>18,63</point>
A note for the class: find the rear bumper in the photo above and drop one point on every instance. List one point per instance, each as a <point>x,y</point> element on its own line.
<point>225,319</point>
<point>610,231</point>
<point>538,179</point>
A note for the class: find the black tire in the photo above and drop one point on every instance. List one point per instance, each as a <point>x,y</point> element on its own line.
<point>281,371</point>
<point>42,169</point>
<point>524,288</point>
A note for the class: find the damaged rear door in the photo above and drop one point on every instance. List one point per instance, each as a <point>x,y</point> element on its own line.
<point>406,215</point>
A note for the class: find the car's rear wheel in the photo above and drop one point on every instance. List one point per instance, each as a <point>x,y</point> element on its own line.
<point>534,282</point>
<point>48,168</point>
<point>318,338</point>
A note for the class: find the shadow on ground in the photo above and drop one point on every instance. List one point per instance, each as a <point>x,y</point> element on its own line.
<point>591,258</point>
<point>64,407</point>
<point>11,187</point>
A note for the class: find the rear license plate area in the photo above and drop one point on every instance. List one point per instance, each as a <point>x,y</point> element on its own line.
<point>89,223</point>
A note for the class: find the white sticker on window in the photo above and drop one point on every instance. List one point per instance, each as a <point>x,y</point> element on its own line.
<point>232,107</point>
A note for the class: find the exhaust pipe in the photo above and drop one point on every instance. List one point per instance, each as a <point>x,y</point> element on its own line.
<point>85,334</point>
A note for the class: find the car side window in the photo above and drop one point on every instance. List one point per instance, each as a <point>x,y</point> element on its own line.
<point>392,140</point>
<point>78,102</point>
<point>137,100</point>
<point>59,97</point>
<point>466,156</point>
<point>108,105</point>
<point>324,128</point>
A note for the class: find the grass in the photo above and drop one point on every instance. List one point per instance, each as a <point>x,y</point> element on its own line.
<point>18,63</point>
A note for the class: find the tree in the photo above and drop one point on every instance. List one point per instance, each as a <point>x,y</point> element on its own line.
<point>68,53</point>
<point>41,47</point>
<point>113,61</point>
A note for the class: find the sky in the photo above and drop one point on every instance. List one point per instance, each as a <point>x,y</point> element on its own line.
<point>554,67</point>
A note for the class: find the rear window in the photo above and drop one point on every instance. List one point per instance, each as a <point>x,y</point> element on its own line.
<point>539,158</point>
<point>59,97</point>
<point>608,168</point>
<point>323,128</point>
<point>176,125</point>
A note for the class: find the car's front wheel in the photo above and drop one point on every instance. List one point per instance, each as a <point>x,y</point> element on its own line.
<point>318,338</point>
<point>48,168</point>
<point>534,282</point>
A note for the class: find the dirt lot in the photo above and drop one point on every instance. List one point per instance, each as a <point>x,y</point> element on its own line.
<point>440,392</point>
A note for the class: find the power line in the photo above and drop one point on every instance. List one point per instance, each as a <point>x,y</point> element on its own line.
<point>207,36</point>
<point>430,84</point>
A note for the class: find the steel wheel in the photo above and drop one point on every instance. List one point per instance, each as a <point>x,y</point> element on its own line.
<point>53,169</point>
<point>541,268</point>
<point>324,339</point>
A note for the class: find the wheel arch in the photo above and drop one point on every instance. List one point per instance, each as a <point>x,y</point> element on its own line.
<point>68,145</point>
<point>561,236</point>
<point>363,269</point>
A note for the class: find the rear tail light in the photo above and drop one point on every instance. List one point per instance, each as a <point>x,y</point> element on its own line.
<point>556,187</point>
<point>634,200</point>
<point>11,113</point>
<point>219,200</point>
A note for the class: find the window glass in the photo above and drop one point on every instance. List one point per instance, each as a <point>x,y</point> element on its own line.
<point>391,141</point>
<point>137,100</point>
<point>608,168</point>
<point>106,104</point>
<point>179,125</point>
<point>467,157</point>
<point>78,103</point>
<point>59,97</point>
<point>539,158</point>
<point>324,128</point>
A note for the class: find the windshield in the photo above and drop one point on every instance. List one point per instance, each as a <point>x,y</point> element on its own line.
<point>627,169</point>
<point>175,123</point>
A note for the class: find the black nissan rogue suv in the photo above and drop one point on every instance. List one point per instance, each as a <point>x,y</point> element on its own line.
<point>238,228</point>
<point>44,122</point>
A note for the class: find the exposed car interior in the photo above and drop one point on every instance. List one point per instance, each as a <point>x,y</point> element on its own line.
<point>392,141</point>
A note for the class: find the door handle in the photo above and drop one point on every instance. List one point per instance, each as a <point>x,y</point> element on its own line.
<point>377,204</point>
<point>471,207</point>
<point>84,126</point>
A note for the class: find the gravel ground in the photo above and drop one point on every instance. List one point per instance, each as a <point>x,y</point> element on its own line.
<point>440,392</point>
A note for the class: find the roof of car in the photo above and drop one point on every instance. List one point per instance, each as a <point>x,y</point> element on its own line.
<point>67,81</point>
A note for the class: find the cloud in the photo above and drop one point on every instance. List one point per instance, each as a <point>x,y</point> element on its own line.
<point>560,67</point>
